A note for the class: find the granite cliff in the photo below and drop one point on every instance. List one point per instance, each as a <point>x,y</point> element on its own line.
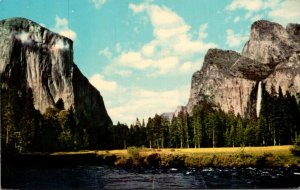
<point>33,57</point>
<point>232,81</point>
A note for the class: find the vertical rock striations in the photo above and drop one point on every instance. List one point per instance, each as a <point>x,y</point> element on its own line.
<point>230,80</point>
<point>33,57</point>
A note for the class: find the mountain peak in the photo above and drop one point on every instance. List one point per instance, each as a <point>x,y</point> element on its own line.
<point>18,25</point>
<point>230,80</point>
<point>271,43</point>
<point>33,57</point>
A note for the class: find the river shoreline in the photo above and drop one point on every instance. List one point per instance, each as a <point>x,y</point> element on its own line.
<point>273,157</point>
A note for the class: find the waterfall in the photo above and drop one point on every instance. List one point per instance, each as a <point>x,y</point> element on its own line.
<point>258,101</point>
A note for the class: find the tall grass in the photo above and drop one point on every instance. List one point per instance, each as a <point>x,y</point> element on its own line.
<point>273,156</point>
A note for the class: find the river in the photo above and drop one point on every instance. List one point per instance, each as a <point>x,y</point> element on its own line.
<point>120,178</point>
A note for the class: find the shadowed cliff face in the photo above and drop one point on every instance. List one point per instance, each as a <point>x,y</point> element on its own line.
<point>34,57</point>
<point>230,80</point>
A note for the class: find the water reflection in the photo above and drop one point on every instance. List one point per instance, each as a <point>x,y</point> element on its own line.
<point>120,178</point>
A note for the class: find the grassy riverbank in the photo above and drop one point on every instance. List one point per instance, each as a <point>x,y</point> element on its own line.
<point>273,156</point>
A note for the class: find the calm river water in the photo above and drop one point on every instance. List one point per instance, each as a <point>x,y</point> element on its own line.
<point>119,178</point>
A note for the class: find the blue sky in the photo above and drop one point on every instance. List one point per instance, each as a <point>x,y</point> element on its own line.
<point>141,54</point>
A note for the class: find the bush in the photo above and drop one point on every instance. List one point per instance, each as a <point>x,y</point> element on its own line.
<point>296,148</point>
<point>265,160</point>
<point>154,160</point>
<point>177,161</point>
<point>134,152</point>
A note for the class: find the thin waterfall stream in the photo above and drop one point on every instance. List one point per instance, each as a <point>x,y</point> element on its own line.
<point>259,97</point>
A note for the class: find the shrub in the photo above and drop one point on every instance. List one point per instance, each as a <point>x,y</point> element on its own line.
<point>265,160</point>
<point>134,156</point>
<point>133,152</point>
<point>296,148</point>
<point>176,161</point>
<point>154,160</point>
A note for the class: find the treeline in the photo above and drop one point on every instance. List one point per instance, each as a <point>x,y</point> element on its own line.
<point>24,129</point>
<point>277,124</point>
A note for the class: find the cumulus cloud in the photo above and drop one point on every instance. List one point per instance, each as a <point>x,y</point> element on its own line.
<point>282,11</point>
<point>98,3</point>
<point>253,5</point>
<point>175,49</point>
<point>124,73</point>
<point>134,99</point>
<point>124,104</point>
<point>106,87</point>
<point>137,8</point>
<point>62,27</point>
<point>172,44</point>
<point>188,66</point>
<point>235,39</point>
<point>101,84</point>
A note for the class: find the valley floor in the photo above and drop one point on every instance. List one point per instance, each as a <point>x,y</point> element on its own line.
<point>271,156</point>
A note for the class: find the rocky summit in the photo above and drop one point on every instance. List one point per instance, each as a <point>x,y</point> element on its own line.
<point>33,57</point>
<point>232,81</point>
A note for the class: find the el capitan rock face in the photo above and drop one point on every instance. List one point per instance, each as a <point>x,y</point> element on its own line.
<point>230,80</point>
<point>33,57</point>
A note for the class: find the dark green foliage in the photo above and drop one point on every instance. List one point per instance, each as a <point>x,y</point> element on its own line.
<point>154,160</point>
<point>296,148</point>
<point>19,120</point>
<point>25,129</point>
<point>134,152</point>
<point>277,124</point>
<point>60,104</point>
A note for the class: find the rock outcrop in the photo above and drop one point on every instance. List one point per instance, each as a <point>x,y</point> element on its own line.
<point>230,80</point>
<point>33,57</point>
<point>180,109</point>
<point>167,115</point>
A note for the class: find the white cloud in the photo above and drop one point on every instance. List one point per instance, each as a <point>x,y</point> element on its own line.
<point>190,66</point>
<point>124,73</point>
<point>152,102</point>
<point>287,11</point>
<point>235,39</point>
<point>172,44</point>
<point>98,3</point>
<point>148,49</point>
<point>106,53</point>
<point>253,5</point>
<point>102,85</point>
<point>62,27</point>
<point>282,11</point>
<point>125,104</point>
<point>137,8</point>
